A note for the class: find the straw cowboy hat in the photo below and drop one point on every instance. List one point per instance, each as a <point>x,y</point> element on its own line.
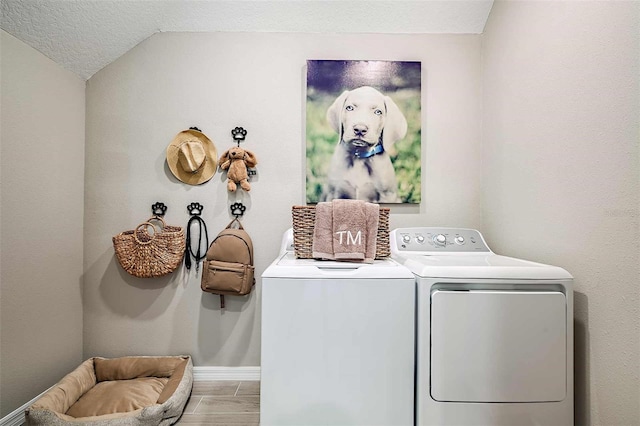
<point>192,157</point>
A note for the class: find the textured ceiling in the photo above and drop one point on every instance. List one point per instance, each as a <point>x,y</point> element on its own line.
<point>83,36</point>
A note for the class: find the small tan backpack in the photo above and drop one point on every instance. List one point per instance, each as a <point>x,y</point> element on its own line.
<point>228,266</point>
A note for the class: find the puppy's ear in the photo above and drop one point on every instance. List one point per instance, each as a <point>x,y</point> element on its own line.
<point>334,113</point>
<point>395,125</point>
<point>250,159</point>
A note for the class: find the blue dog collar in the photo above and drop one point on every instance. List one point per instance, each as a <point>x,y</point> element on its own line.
<point>378,149</point>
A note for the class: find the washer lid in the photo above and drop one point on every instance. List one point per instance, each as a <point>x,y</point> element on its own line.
<point>479,266</point>
<point>287,266</point>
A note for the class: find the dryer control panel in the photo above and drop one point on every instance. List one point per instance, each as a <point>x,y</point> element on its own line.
<point>441,240</point>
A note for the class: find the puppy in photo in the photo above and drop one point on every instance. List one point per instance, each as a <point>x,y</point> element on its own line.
<point>368,124</point>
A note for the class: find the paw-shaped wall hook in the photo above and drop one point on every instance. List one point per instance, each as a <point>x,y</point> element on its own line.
<point>158,209</point>
<point>239,133</point>
<point>237,209</point>
<point>195,209</point>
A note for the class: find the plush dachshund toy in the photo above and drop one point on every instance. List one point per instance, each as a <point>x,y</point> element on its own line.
<point>236,160</point>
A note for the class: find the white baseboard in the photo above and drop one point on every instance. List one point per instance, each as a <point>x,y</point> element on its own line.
<point>225,373</point>
<point>16,417</point>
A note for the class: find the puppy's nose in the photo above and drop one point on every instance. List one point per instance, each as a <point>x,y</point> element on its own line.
<point>360,129</point>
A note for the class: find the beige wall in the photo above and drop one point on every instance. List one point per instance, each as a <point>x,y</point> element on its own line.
<point>216,82</point>
<point>555,179</point>
<point>561,175</point>
<point>42,182</point>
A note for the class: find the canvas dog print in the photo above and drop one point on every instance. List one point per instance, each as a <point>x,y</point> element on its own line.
<point>363,131</point>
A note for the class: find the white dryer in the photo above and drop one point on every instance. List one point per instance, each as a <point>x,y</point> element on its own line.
<point>337,342</point>
<point>494,334</point>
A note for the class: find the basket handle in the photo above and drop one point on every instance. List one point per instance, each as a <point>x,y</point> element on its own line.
<point>145,224</point>
<point>158,218</point>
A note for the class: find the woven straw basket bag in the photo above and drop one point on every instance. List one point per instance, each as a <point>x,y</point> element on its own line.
<point>146,255</point>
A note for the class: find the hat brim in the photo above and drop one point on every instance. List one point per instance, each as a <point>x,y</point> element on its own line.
<point>204,173</point>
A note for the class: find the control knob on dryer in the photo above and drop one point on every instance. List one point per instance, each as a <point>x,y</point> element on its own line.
<point>440,240</point>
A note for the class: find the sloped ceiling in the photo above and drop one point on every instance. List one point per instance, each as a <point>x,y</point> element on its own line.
<point>84,36</point>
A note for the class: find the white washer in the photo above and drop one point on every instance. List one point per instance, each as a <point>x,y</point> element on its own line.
<point>494,334</point>
<point>337,342</point>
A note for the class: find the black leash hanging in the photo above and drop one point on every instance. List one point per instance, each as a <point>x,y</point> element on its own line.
<point>195,210</point>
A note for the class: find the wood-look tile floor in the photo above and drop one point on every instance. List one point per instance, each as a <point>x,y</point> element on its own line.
<point>219,403</point>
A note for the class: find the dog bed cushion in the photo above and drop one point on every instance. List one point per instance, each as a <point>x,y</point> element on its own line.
<point>120,391</point>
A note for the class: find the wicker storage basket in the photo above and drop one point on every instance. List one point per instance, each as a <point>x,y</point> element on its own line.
<point>304,218</point>
<point>145,255</point>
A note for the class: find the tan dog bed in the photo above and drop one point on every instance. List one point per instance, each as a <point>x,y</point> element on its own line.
<point>120,391</point>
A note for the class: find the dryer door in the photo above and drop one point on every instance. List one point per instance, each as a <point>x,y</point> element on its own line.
<point>498,346</point>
